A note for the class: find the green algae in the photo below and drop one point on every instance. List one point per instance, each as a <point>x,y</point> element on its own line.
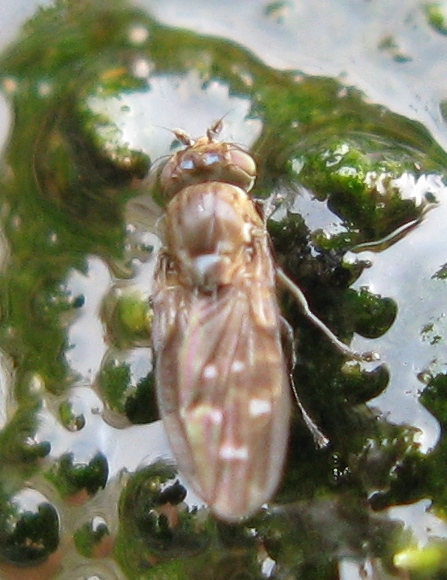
<point>67,177</point>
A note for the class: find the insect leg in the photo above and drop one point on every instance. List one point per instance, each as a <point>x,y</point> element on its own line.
<point>320,439</point>
<point>162,267</point>
<point>289,352</point>
<point>287,283</point>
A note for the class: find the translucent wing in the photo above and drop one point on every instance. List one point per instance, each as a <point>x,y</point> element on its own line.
<point>223,387</point>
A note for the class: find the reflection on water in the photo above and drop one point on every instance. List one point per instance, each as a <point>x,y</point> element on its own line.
<point>340,105</point>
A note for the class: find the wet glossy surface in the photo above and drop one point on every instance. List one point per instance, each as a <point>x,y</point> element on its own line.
<point>343,106</point>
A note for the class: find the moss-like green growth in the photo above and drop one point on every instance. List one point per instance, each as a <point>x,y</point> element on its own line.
<point>436,15</point>
<point>128,316</point>
<point>134,396</point>
<point>29,529</point>
<point>91,538</point>
<point>73,479</point>
<point>349,177</point>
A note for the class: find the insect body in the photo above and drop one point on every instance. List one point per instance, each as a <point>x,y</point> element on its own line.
<point>222,380</point>
<point>223,387</point>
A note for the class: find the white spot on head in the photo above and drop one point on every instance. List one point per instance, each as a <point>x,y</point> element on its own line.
<point>237,366</point>
<point>259,407</point>
<point>229,451</point>
<point>210,371</point>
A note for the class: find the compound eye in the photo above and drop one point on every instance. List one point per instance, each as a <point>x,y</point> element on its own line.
<point>244,161</point>
<point>242,169</point>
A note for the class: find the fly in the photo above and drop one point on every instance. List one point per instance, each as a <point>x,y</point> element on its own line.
<point>223,383</point>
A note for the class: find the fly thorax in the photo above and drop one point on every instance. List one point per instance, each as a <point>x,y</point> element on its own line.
<point>207,234</point>
<point>211,271</point>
